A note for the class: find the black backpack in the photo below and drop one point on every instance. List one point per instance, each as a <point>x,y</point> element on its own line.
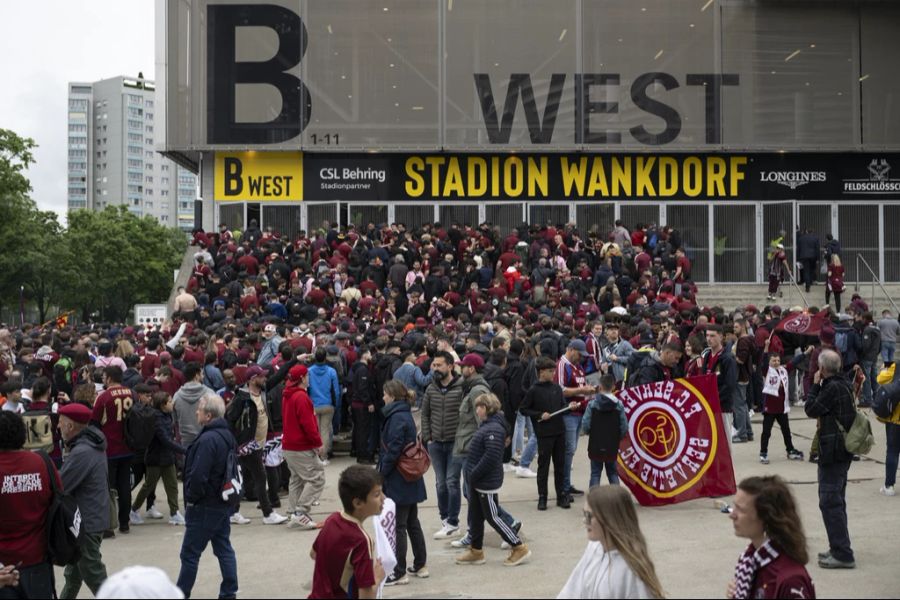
<point>233,483</point>
<point>885,400</point>
<point>140,427</point>
<point>605,435</point>
<point>64,531</point>
<point>240,418</point>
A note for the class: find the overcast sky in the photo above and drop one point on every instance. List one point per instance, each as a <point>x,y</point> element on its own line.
<point>47,43</point>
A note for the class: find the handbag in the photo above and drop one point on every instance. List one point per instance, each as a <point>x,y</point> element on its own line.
<point>64,531</point>
<point>414,461</point>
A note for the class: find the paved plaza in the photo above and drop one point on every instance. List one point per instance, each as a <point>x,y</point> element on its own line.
<point>692,544</point>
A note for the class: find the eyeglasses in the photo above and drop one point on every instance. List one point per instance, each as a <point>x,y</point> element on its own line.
<point>588,515</point>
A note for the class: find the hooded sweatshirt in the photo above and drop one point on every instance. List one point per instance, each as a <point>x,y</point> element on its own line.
<point>186,400</point>
<point>84,477</point>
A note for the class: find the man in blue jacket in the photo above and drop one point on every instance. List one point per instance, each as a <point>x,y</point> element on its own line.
<point>325,393</point>
<point>208,515</point>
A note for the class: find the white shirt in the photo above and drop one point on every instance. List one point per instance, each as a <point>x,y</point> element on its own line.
<point>601,574</point>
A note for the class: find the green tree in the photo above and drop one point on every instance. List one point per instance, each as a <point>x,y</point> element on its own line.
<point>120,260</point>
<point>16,208</point>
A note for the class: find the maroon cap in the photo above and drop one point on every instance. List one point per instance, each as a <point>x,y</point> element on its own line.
<point>77,412</point>
<point>255,371</point>
<point>129,331</point>
<point>421,322</point>
<point>472,360</point>
<point>297,372</point>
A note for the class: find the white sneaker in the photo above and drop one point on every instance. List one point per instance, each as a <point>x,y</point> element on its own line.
<point>153,513</point>
<point>177,519</point>
<point>525,473</point>
<point>507,468</point>
<point>888,491</point>
<point>274,519</point>
<point>239,519</point>
<point>135,519</point>
<point>302,521</point>
<point>447,531</point>
<point>325,462</point>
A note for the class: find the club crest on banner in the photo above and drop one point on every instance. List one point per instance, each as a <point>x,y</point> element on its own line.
<point>798,324</point>
<point>674,450</point>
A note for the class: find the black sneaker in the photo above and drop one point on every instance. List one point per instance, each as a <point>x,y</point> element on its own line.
<point>814,457</point>
<point>573,491</point>
<point>542,503</point>
<point>109,534</point>
<point>394,579</point>
<point>564,502</point>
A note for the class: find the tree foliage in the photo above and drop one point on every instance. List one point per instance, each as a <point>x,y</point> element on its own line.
<point>101,265</point>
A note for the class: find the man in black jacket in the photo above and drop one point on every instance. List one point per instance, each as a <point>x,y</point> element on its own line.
<point>650,367</point>
<point>540,402</point>
<point>720,360</point>
<point>808,255</point>
<point>514,374</point>
<point>207,515</point>
<point>830,399</point>
<point>362,394</point>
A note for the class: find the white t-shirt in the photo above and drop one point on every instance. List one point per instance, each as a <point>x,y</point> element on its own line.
<point>385,539</point>
<point>601,574</point>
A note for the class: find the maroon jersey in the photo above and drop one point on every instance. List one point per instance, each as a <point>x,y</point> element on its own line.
<point>110,410</point>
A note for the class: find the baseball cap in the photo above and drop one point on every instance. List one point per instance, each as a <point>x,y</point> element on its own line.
<point>472,360</point>
<point>578,345</point>
<point>421,322</point>
<point>297,372</point>
<point>139,582</point>
<point>270,328</point>
<point>255,371</point>
<point>77,412</point>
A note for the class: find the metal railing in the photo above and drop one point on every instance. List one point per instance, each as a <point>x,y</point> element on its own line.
<point>797,287</point>
<point>875,279</point>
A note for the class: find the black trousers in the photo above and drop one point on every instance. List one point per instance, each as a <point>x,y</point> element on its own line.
<point>252,467</point>
<point>809,271</point>
<point>408,524</point>
<point>510,429</point>
<point>119,470</point>
<point>785,426</point>
<point>138,472</point>
<point>551,448</point>
<point>362,427</point>
<point>486,507</point>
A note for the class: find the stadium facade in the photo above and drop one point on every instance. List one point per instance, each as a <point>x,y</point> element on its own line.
<point>731,120</point>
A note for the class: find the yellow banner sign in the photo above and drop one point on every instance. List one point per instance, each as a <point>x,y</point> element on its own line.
<point>259,176</point>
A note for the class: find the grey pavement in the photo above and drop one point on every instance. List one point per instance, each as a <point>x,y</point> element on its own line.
<point>692,544</point>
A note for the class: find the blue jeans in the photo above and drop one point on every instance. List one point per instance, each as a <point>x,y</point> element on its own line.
<point>887,351</point>
<point>529,452</point>
<point>870,386</point>
<point>573,425</point>
<point>205,524</point>
<point>833,505</point>
<point>447,470</point>
<point>597,472</point>
<point>892,456</point>
<point>523,423</point>
<point>742,413</point>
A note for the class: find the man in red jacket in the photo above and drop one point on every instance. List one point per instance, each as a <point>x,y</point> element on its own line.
<point>302,448</point>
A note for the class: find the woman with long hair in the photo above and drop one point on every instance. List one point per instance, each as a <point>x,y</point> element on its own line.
<point>615,563</point>
<point>835,282</point>
<point>772,566</point>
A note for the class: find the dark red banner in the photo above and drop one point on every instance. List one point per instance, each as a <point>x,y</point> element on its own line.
<point>675,449</point>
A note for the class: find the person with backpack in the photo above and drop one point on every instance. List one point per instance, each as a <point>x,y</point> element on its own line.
<point>84,477</point>
<point>140,429</point>
<point>159,459</point>
<point>605,425</point>
<point>890,390</point>
<point>847,342</point>
<point>39,420</point>
<point>25,503</point>
<point>208,469</point>
<point>831,400</point>
<point>212,376</point>
<point>398,432</point>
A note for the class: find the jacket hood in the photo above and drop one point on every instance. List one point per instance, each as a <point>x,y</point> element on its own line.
<point>494,418</point>
<point>606,403</point>
<point>395,407</point>
<point>492,371</point>
<point>191,392</point>
<point>219,423</point>
<point>479,379</point>
<point>90,436</point>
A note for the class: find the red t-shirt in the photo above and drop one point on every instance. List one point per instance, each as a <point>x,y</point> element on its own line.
<point>344,559</point>
<point>149,365</point>
<point>570,375</point>
<point>25,495</point>
<point>685,265</point>
<point>110,410</point>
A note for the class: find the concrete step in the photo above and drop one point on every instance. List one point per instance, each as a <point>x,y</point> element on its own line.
<point>730,296</point>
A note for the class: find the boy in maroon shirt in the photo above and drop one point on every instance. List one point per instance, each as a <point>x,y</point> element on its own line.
<point>343,551</point>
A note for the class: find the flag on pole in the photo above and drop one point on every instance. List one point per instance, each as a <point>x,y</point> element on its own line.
<point>676,448</point>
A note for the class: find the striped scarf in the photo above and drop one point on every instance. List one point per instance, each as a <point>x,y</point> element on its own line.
<point>748,564</point>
